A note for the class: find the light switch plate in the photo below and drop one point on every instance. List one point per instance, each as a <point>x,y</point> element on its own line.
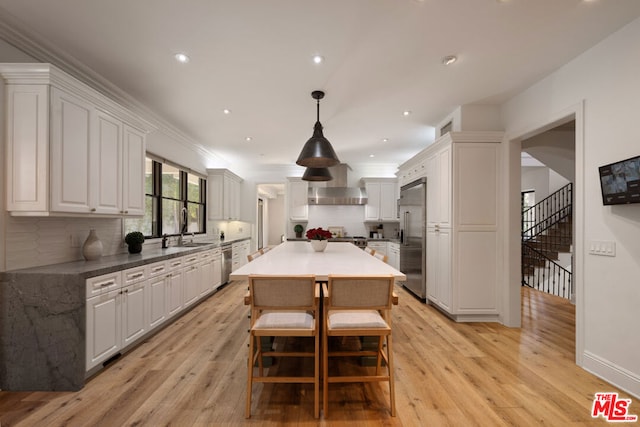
<point>602,247</point>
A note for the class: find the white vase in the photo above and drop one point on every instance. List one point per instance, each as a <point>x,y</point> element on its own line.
<point>92,248</point>
<point>319,245</point>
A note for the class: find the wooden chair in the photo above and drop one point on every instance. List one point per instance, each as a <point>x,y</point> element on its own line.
<point>283,306</point>
<point>358,306</point>
<point>370,251</point>
<point>381,256</point>
<point>255,255</point>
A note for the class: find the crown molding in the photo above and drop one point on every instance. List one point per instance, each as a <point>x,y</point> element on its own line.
<point>40,50</point>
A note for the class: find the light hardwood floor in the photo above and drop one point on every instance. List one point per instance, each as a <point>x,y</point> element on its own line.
<point>193,374</point>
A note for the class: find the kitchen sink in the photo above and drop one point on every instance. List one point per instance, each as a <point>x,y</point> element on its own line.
<point>194,244</point>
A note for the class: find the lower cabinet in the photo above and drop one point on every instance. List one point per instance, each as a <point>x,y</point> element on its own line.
<point>394,255</point>
<point>104,327</point>
<point>175,286</point>
<point>158,284</point>
<point>439,290</point>
<point>123,306</point>
<point>192,278</point>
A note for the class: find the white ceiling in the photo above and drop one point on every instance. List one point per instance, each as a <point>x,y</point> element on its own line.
<point>254,57</point>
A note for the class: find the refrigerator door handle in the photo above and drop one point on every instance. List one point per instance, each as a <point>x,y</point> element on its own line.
<point>406,225</point>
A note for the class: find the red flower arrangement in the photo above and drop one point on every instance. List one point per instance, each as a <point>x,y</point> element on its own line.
<point>318,234</point>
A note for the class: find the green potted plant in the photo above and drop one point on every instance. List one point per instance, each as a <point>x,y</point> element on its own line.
<point>134,240</point>
<point>298,229</point>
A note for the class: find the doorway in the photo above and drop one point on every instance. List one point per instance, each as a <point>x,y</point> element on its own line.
<point>512,296</point>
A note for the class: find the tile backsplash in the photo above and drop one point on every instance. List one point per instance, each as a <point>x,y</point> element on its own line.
<point>32,242</point>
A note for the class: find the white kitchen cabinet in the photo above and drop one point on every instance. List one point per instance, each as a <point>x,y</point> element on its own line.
<point>192,279</point>
<point>158,283</point>
<point>135,306</point>
<point>224,195</point>
<point>70,149</point>
<point>393,252</point>
<point>439,287</point>
<point>217,269</point>
<point>103,318</point>
<point>205,266</point>
<point>210,271</point>
<point>175,285</point>
<point>124,306</point>
<point>133,164</point>
<point>463,179</point>
<point>382,199</point>
<point>73,150</point>
<point>298,199</point>
<point>239,252</point>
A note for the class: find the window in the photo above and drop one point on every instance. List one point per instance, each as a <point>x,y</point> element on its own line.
<point>175,201</point>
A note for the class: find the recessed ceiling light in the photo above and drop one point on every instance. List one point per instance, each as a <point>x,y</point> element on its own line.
<point>371,155</point>
<point>226,111</point>
<point>317,59</point>
<point>385,139</point>
<point>449,59</point>
<point>248,139</point>
<point>181,57</point>
<point>406,113</point>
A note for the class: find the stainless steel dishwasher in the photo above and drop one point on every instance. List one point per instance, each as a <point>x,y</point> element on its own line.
<point>226,262</point>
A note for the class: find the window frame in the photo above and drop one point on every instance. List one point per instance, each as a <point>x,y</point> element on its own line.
<point>157,198</point>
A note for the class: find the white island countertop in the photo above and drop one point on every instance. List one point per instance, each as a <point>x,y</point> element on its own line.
<point>290,258</point>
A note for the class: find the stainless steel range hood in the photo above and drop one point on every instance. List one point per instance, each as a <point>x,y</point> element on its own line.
<point>336,191</point>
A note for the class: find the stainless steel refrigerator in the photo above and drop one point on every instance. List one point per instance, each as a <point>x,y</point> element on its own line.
<point>413,234</point>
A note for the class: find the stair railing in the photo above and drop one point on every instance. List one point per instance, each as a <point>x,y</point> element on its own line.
<point>546,231</point>
<point>542,273</point>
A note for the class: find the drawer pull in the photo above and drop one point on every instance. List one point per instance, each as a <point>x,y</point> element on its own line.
<point>135,276</point>
<point>109,283</point>
<point>158,269</point>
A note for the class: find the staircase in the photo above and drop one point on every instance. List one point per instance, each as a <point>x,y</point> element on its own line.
<point>546,244</point>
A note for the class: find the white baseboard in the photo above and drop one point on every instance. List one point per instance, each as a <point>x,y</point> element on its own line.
<point>616,375</point>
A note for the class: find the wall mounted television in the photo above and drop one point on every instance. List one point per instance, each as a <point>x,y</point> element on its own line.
<point>620,182</point>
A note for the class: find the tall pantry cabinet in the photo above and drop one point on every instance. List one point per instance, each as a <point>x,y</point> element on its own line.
<point>463,171</point>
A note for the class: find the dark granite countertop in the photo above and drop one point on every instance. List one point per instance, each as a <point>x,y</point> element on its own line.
<point>109,264</point>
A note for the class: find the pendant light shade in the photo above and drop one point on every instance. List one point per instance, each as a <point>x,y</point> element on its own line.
<point>317,152</point>
<point>317,174</point>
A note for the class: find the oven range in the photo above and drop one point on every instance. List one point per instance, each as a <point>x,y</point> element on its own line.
<point>359,241</point>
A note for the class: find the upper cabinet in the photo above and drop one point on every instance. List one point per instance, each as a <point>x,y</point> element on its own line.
<point>382,199</point>
<point>224,195</point>
<point>298,197</point>
<point>70,150</point>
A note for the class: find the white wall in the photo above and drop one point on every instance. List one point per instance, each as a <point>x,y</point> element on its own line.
<point>276,219</point>
<point>608,294</point>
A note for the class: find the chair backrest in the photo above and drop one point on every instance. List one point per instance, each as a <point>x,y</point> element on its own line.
<point>283,292</point>
<point>370,251</point>
<point>255,255</point>
<point>359,292</point>
<point>381,256</point>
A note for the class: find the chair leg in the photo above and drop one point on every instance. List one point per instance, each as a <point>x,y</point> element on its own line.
<point>379,354</point>
<point>316,377</point>
<point>247,412</point>
<point>392,387</point>
<point>325,373</point>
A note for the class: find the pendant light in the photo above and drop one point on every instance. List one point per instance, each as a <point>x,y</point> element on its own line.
<point>317,151</point>
<point>317,174</point>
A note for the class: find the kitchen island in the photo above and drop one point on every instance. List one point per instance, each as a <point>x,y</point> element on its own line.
<point>291,258</point>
